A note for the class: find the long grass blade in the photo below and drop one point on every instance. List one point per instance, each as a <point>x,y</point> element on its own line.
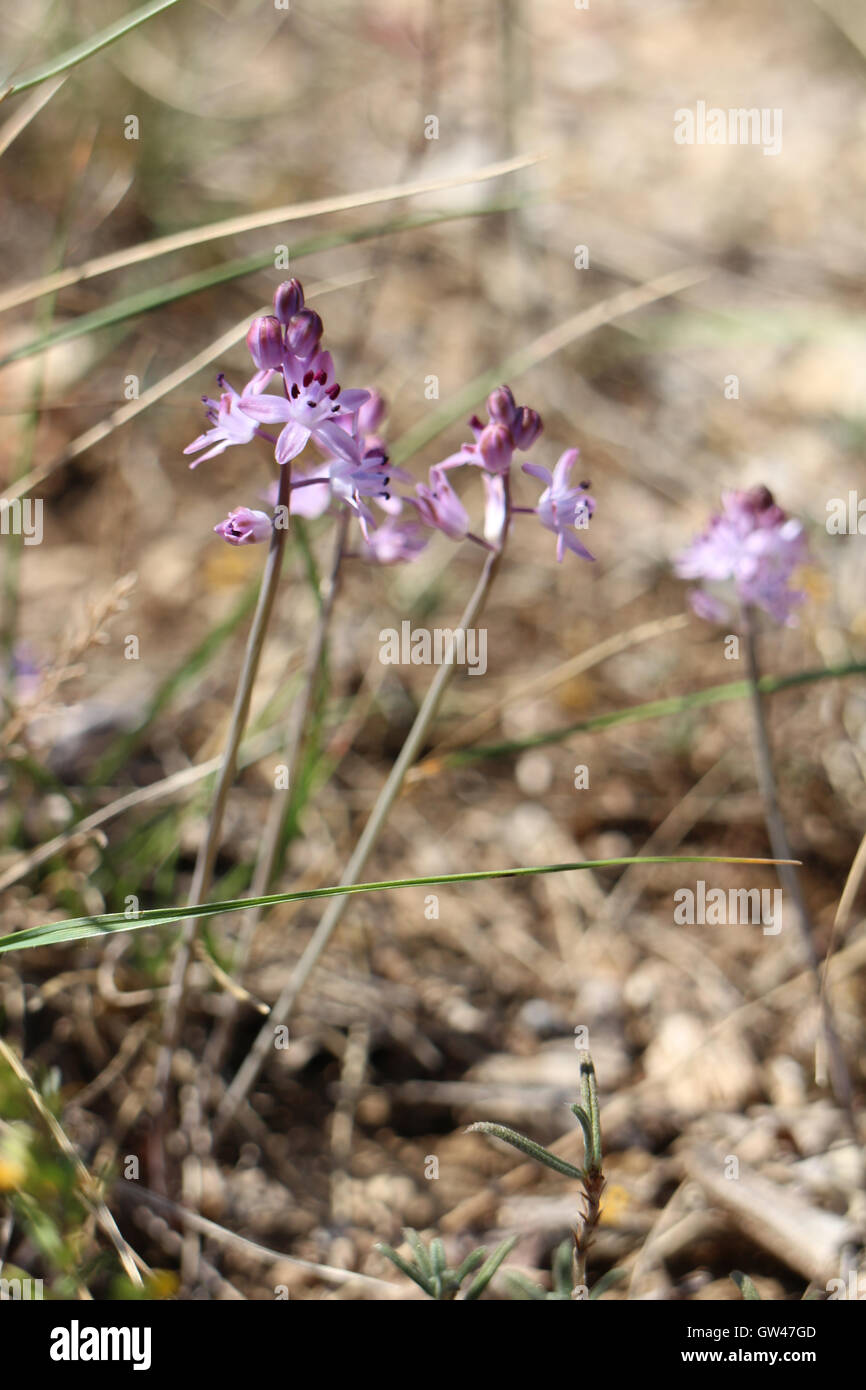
<point>635,714</point>
<point>237,226</point>
<point>82,51</point>
<point>80,928</point>
<point>157,296</point>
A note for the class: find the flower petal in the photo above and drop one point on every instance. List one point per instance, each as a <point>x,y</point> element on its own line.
<point>290,443</point>
<point>269,409</point>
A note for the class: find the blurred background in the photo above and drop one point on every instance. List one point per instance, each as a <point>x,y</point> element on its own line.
<point>413,1027</point>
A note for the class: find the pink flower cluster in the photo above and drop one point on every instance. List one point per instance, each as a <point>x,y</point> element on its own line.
<point>751,546</point>
<point>312,407</point>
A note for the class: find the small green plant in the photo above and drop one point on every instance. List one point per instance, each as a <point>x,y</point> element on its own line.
<point>430,1269</point>
<point>591,1179</point>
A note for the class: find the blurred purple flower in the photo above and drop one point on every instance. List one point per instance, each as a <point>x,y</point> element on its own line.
<point>393,542</point>
<point>752,544</point>
<point>561,508</point>
<point>23,672</point>
<point>245,527</point>
<point>439,506</point>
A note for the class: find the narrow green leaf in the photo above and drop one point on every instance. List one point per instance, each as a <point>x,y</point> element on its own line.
<point>404,1266</point>
<point>562,1267</point>
<point>489,1268</point>
<point>471,1263</point>
<point>81,928</point>
<point>655,709</point>
<point>584,1122</point>
<point>157,296</point>
<point>527,1146</point>
<point>82,51</point>
<point>422,1258</point>
<point>589,1094</point>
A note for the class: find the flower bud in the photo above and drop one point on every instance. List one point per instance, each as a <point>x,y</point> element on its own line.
<point>245,527</point>
<point>288,300</point>
<point>526,428</point>
<point>496,447</point>
<point>304,333</point>
<point>500,405</point>
<point>265,342</point>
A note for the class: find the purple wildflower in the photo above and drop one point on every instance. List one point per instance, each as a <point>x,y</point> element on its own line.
<point>307,411</point>
<point>439,506</point>
<point>393,542</point>
<point>245,527</point>
<point>562,508</point>
<point>230,422</point>
<point>510,427</point>
<point>753,544</point>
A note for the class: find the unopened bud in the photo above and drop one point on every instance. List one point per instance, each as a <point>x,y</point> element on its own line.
<point>245,527</point>
<point>526,428</point>
<point>265,342</point>
<point>496,448</point>
<point>288,300</point>
<point>500,405</point>
<point>304,333</point>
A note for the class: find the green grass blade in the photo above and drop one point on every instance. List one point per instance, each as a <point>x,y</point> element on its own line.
<point>81,928</point>
<point>156,297</point>
<point>82,51</point>
<point>251,222</point>
<point>655,709</point>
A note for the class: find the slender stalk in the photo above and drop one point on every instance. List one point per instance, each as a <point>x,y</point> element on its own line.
<point>204,866</point>
<point>593,1186</point>
<point>593,1179</point>
<point>253,1062</point>
<point>840,1079</point>
<point>281,800</point>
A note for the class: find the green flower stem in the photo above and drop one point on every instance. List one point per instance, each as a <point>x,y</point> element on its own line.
<point>204,866</point>
<point>281,800</point>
